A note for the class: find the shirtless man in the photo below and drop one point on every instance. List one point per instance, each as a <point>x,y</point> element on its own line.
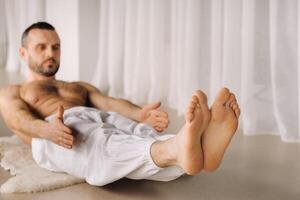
<point>199,145</point>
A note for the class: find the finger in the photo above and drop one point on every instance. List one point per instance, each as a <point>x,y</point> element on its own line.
<point>68,130</point>
<point>162,119</point>
<point>159,113</point>
<point>65,142</point>
<point>68,137</point>
<point>161,125</point>
<point>65,146</point>
<point>152,106</point>
<point>62,137</point>
<point>158,129</point>
<point>65,129</point>
<point>60,113</point>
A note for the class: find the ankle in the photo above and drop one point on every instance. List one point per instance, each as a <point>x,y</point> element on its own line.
<point>162,153</point>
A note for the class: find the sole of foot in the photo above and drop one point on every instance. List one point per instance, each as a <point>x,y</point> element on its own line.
<point>189,149</point>
<point>221,128</point>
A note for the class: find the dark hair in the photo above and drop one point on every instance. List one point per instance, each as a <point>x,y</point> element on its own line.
<point>37,25</point>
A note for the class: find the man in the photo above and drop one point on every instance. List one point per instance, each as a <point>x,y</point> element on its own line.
<point>74,128</point>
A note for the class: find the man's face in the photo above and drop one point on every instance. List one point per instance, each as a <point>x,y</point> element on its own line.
<point>42,52</point>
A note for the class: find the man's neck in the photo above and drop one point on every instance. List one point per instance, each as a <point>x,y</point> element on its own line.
<point>37,77</point>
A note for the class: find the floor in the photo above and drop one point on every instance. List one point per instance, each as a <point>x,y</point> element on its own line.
<point>254,167</point>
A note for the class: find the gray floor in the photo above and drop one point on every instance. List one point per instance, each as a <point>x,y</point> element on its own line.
<point>254,167</point>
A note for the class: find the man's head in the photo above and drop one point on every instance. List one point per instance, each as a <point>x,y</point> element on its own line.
<point>41,49</point>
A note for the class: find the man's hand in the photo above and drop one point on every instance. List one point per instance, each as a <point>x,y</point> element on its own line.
<point>154,117</point>
<point>58,132</point>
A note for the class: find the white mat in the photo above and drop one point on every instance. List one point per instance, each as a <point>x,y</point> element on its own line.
<point>27,175</point>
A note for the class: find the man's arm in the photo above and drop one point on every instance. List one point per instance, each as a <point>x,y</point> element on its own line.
<point>21,121</point>
<point>148,114</point>
<point>106,103</point>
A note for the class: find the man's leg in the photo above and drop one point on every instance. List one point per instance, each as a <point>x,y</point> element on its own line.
<point>101,155</point>
<point>186,151</point>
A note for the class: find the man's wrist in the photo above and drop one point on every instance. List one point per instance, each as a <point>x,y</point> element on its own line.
<point>139,115</point>
<point>40,128</point>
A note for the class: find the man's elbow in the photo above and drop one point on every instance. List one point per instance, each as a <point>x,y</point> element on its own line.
<point>11,123</point>
<point>13,127</point>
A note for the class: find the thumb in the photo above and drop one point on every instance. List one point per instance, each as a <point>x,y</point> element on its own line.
<point>152,106</point>
<point>60,113</point>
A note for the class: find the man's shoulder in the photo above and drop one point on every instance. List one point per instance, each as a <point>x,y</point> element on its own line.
<point>86,85</point>
<point>11,87</point>
<point>80,82</point>
<point>9,90</point>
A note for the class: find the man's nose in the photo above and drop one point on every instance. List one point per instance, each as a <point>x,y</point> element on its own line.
<point>49,52</point>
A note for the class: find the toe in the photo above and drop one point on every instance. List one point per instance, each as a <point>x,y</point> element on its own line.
<point>191,109</point>
<point>192,104</point>
<point>235,106</point>
<point>194,99</point>
<point>189,116</point>
<point>223,96</point>
<point>236,109</point>
<point>232,103</point>
<point>230,100</point>
<point>203,107</point>
<point>237,112</point>
<point>202,98</point>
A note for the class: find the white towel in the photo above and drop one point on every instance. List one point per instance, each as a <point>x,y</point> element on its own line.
<point>107,147</point>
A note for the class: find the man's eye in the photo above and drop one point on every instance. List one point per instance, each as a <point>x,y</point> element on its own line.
<point>56,48</point>
<point>41,47</point>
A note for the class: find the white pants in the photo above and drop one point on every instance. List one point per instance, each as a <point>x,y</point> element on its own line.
<point>107,147</point>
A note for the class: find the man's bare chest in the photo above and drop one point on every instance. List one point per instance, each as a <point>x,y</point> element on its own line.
<point>41,91</point>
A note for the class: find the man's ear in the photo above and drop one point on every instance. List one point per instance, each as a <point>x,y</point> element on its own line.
<point>23,53</point>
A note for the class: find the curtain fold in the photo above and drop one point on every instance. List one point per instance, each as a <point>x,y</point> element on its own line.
<point>284,68</point>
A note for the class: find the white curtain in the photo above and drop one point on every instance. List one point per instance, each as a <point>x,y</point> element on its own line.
<point>19,14</point>
<point>3,37</point>
<point>152,50</point>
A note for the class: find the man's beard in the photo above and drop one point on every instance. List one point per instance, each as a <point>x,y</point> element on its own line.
<point>45,69</point>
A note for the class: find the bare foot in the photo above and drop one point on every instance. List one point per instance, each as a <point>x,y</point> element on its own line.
<point>184,149</point>
<point>189,149</point>
<point>224,122</point>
